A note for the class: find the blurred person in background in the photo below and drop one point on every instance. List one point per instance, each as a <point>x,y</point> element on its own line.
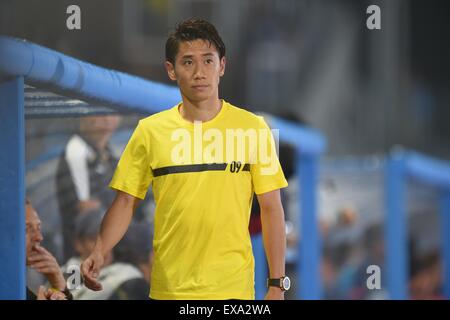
<point>371,246</point>
<point>329,273</point>
<point>85,168</point>
<point>353,247</point>
<point>39,259</point>
<point>426,276</point>
<point>374,245</point>
<point>135,249</point>
<point>352,258</point>
<point>120,278</point>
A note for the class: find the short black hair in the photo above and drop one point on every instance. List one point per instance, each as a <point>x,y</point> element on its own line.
<point>190,30</point>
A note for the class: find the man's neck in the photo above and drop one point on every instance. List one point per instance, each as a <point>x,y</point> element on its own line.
<point>200,111</point>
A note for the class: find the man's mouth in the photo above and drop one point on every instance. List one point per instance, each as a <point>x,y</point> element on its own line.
<point>200,87</point>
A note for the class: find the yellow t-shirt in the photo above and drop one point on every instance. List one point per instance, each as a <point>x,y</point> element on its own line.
<point>203,179</point>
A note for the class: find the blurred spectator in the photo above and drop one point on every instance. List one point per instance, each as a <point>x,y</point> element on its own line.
<point>426,277</point>
<point>350,283</point>
<point>351,249</point>
<point>84,171</point>
<point>39,259</point>
<point>348,216</point>
<point>120,278</point>
<point>373,245</point>
<point>135,249</point>
<point>329,273</point>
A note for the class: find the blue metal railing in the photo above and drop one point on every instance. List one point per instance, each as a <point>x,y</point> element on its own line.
<point>399,167</point>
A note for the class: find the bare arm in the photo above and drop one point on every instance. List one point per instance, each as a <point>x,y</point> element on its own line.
<point>274,237</point>
<point>114,225</point>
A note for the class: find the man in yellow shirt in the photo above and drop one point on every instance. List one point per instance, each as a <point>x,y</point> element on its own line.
<point>204,159</point>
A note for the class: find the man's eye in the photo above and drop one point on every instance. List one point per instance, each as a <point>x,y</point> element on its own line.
<point>187,62</point>
<point>209,61</point>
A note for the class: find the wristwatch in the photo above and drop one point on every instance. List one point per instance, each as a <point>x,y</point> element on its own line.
<point>284,283</point>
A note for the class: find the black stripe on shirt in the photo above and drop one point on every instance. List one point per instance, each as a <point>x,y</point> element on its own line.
<point>194,168</point>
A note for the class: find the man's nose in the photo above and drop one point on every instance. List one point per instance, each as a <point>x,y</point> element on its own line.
<point>199,72</point>
<point>37,236</point>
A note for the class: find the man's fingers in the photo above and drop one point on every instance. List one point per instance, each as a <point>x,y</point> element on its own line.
<point>86,266</point>
<point>90,280</point>
<point>41,257</point>
<point>46,270</point>
<point>40,249</point>
<point>41,293</point>
<point>41,264</point>
<point>56,295</point>
<point>45,266</point>
<point>94,272</point>
<point>36,257</point>
<point>90,273</point>
<point>48,294</point>
<point>92,284</point>
<point>90,269</point>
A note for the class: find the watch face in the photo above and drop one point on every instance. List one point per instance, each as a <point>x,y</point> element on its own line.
<point>286,283</point>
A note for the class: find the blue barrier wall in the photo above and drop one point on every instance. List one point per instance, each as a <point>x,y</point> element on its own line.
<point>401,166</point>
<point>46,68</point>
<point>12,194</point>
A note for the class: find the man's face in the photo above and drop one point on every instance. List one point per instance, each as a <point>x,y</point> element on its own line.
<point>197,70</point>
<point>33,230</point>
<point>100,124</point>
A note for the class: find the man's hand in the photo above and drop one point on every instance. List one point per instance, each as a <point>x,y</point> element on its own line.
<point>90,269</point>
<point>274,293</point>
<point>44,262</point>
<point>49,294</point>
<point>114,225</point>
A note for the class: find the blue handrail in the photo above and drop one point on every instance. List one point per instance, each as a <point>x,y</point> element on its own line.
<point>44,67</point>
<point>401,165</point>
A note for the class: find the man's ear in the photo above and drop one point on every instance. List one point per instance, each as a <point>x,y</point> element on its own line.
<point>223,62</point>
<point>170,70</point>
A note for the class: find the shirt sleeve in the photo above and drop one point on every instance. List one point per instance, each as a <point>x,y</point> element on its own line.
<point>266,171</point>
<point>134,174</point>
